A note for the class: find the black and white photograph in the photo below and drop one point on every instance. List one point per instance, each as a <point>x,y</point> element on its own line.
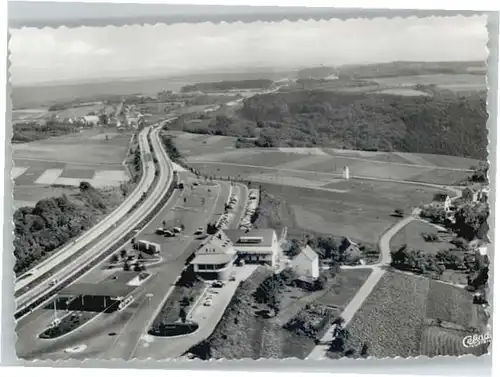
<point>310,189</point>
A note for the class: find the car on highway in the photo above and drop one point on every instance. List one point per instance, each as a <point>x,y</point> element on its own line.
<point>53,282</point>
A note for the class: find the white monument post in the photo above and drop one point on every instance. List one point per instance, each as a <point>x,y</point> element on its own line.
<point>346,172</point>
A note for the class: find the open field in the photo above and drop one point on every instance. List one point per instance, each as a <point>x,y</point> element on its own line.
<point>326,161</point>
<point>81,111</point>
<point>27,115</point>
<point>85,147</point>
<point>446,81</point>
<point>411,235</point>
<point>356,210</point>
<point>403,92</point>
<point>66,161</point>
<point>404,305</point>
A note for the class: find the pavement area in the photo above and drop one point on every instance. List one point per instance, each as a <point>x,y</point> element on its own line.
<point>207,317</point>
<point>117,335</point>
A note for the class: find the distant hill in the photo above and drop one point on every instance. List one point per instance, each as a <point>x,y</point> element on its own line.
<point>228,85</point>
<point>437,125</point>
<point>402,68</point>
<point>316,72</point>
<point>49,94</point>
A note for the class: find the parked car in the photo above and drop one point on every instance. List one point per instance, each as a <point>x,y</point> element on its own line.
<point>168,233</point>
<point>199,231</point>
<point>177,229</point>
<point>160,231</point>
<point>217,284</point>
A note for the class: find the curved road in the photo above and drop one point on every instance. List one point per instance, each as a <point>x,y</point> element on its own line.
<point>116,231</point>
<point>98,230</point>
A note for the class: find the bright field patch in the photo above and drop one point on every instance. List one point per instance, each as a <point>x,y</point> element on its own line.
<point>86,147</point>
<point>411,235</point>
<point>359,211</point>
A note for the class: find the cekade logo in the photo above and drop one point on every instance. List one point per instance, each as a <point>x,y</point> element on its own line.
<point>476,340</point>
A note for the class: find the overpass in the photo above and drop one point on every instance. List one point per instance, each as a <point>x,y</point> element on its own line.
<point>76,263</point>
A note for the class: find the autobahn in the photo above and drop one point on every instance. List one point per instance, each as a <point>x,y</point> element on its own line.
<point>36,274</point>
<point>115,232</point>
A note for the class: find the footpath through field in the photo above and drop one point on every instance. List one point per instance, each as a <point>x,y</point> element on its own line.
<point>319,352</point>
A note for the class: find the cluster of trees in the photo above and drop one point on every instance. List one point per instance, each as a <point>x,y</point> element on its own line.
<point>408,259</point>
<point>480,173</point>
<point>228,85</point>
<point>269,291</point>
<point>26,132</point>
<point>222,125</point>
<point>471,221</point>
<point>52,223</point>
<point>450,125</point>
<point>171,148</point>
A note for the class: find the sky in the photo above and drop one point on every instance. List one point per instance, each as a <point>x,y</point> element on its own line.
<point>96,53</point>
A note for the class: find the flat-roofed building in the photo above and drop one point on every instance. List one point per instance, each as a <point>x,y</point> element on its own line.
<point>255,246</point>
<point>215,259</point>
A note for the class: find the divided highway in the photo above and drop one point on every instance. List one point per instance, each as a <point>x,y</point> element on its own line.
<point>113,232</point>
<point>33,276</point>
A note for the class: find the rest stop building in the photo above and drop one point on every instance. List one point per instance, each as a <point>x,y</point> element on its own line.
<point>215,259</point>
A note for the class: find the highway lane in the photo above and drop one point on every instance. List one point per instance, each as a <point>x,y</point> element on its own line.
<point>99,229</point>
<point>117,230</point>
<point>95,335</point>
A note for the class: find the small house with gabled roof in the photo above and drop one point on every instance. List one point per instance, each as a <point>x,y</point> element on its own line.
<point>442,200</point>
<point>306,263</point>
<point>469,194</point>
<point>350,250</point>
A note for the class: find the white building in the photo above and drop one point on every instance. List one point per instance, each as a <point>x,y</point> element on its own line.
<point>442,201</point>
<point>215,259</point>
<point>91,120</point>
<point>306,263</point>
<point>256,245</point>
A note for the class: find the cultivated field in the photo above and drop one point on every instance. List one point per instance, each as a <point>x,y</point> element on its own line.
<point>404,307</point>
<point>67,160</point>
